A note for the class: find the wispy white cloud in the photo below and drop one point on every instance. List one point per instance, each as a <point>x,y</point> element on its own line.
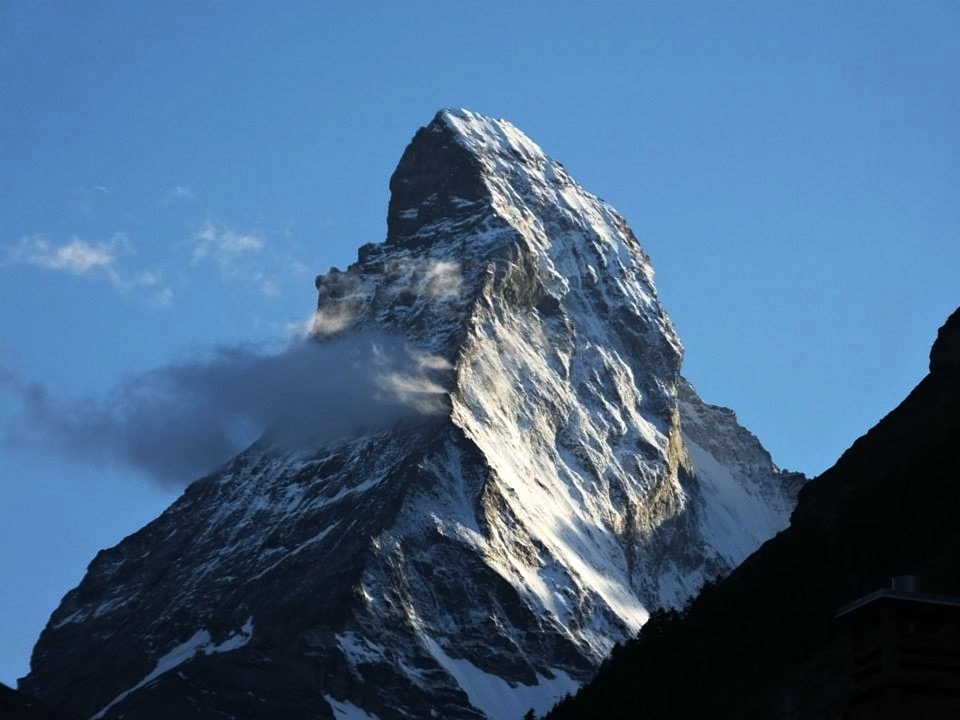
<point>148,278</point>
<point>163,298</point>
<point>266,284</point>
<point>244,257</point>
<point>178,192</point>
<point>84,259</point>
<point>300,328</point>
<point>76,257</point>
<point>85,199</point>
<point>297,267</point>
<point>223,246</point>
<point>180,420</point>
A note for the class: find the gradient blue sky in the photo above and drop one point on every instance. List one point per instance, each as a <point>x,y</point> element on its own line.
<point>174,174</point>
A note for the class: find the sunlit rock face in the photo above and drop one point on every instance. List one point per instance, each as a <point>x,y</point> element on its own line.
<point>479,559</point>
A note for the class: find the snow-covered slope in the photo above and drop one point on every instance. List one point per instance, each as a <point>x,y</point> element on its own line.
<point>477,562</point>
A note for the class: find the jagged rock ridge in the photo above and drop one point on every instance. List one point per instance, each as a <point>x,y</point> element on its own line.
<point>477,563</point>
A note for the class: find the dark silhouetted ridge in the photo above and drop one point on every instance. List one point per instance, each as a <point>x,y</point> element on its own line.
<point>16,705</point>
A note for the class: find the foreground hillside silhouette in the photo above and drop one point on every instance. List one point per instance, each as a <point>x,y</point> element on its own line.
<point>16,705</point>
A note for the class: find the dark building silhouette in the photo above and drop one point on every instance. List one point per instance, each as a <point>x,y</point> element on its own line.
<point>904,654</point>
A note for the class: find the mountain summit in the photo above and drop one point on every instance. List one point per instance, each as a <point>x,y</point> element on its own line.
<point>478,558</point>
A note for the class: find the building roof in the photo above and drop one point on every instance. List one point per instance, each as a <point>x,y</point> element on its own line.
<point>900,595</point>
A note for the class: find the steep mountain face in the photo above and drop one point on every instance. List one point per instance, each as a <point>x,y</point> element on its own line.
<point>479,561</point>
<point>763,642</point>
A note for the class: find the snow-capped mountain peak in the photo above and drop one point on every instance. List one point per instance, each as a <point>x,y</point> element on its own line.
<point>481,560</point>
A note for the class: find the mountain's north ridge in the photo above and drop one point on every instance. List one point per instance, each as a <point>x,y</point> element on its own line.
<point>479,561</point>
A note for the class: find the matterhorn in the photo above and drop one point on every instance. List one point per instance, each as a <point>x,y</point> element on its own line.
<point>481,555</point>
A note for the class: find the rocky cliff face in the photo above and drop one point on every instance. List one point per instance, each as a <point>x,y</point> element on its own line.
<point>479,561</point>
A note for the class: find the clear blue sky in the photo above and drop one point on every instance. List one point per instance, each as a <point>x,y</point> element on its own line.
<point>173,175</point>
